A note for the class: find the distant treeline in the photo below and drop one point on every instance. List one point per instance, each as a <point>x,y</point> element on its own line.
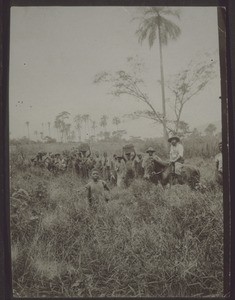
<point>194,145</point>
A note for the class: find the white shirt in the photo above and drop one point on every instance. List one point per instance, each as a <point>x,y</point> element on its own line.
<point>176,151</point>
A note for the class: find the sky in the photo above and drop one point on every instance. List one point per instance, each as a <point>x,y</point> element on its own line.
<point>55,53</point>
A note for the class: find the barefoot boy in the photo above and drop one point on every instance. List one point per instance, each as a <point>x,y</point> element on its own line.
<point>96,190</point>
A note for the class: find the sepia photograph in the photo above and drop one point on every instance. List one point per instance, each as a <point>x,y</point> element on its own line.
<point>115,152</point>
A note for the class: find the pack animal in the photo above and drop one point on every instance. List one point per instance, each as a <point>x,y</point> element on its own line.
<point>156,172</point>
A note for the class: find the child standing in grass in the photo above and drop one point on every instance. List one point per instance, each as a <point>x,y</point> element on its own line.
<point>96,190</point>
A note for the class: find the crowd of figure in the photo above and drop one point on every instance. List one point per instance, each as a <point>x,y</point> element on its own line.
<point>121,168</point>
<point>82,161</point>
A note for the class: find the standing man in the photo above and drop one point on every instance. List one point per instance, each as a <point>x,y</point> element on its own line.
<point>120,169</point>
<point>98,162</point>
<point>129,161</point>
<point>106,166</point>
<point>113,172</point>
<point>138,164</point>
<point>176,155</point>
<point>219,166</point>
<point>82,162</point>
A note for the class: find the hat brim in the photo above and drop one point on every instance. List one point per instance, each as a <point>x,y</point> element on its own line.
<point>174,138</point>
<point>147,151</point>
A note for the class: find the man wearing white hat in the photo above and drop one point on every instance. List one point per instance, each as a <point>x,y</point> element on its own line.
<point>176,154</point>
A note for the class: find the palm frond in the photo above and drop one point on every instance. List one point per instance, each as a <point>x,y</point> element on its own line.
<point>148,27</point>
<point>154,17</point>
<point>152,36</point>
<point>142,34</point>
<point>169,30</point>
<point>171,12</point>
<point>155,10</point>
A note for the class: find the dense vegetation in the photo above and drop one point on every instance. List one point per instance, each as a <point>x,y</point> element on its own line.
<point>147,241</point>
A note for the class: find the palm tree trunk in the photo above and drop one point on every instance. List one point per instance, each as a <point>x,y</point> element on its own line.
<point>28,131</point>
<point>88,129</point>
<point>165,133</point>
<point>85,130</point>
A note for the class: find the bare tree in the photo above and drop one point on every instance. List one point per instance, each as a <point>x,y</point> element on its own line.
<point>130,84</point>
<point>188,83</point>
<point>78,125</point>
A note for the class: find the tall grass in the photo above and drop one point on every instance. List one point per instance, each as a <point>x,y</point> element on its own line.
<point>147,241</point>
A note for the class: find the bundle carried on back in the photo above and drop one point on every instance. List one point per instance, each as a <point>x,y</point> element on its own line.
<point>84,147</point>
<point>128,148</point>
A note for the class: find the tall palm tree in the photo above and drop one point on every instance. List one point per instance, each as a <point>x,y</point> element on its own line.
<point>27,124</point>
<point>78,125</point>
<point>36,133</point>
<point>57,127</point>
<point>94,126</point>
<point>60,123</point>
<point>155,25</point>
<point>67,128</point>
<point>86,121</point>
<point>43,128</point>
<point>41,134</point>
<point>49,128</point>
<point>103,122</point>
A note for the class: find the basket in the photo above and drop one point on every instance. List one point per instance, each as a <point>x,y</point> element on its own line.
<point>128,148</point>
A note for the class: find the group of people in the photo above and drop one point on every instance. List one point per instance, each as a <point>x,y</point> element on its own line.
<point>130,165</point>
<point>126,166</point>
<point>54,162</point>
<point>119,169</point>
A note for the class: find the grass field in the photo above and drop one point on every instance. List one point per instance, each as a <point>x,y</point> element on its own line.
<point>147,241</point>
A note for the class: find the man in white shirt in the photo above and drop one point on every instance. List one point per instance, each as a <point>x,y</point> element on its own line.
<point>219,165</point>
<point>176,154</point>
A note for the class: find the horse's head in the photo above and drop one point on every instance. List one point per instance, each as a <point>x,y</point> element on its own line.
<point>152,168</point>
<point>155,169</point>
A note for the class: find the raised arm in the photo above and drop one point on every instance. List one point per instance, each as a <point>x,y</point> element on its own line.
<point>89,153</point>
<point>134,156</point>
